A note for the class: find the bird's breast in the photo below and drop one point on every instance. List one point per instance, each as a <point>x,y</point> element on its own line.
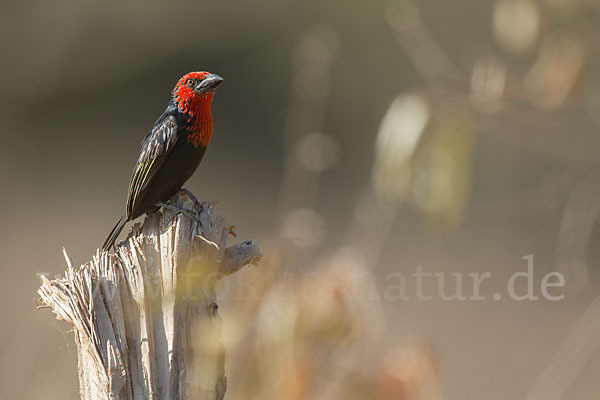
<point>199,132</point>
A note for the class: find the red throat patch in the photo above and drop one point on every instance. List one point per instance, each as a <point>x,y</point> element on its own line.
<point>198,109</point>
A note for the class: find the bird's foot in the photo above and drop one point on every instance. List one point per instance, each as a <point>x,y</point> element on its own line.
<point>191,196</point>
<point>178,210</point>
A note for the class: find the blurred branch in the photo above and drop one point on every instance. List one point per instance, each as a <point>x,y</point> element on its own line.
<point>575,234</point>
<point>309,92</point>
<point>145,319</point>
<point>429,58</point>
<point>571,357</point>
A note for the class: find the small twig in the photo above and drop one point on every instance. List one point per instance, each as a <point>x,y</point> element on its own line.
<point>238,256</point>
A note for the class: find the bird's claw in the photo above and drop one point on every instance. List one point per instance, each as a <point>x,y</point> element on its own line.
<point>191,196</point>
<point>178,210</point>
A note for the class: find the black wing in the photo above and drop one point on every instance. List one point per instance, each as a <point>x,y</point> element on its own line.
<point>155,148</point>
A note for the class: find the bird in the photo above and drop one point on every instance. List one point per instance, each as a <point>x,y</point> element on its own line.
<point>172,150</point>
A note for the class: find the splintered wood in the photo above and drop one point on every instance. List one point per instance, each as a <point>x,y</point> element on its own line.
<point>145,319</point>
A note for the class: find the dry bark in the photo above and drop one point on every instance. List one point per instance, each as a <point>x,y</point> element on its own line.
<point>145,319</point>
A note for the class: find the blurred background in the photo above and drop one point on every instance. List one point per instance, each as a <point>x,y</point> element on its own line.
<point>353,140</point>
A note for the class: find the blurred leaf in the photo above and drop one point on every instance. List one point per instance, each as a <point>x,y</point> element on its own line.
<point>399,135</point>
<point>442,180</point>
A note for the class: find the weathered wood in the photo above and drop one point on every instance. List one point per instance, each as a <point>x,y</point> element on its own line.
<point>145,319</point>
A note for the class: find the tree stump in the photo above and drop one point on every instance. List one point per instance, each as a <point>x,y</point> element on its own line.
<point>145,319</point>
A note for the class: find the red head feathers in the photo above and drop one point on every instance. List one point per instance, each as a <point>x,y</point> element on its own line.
<point>193,95</point>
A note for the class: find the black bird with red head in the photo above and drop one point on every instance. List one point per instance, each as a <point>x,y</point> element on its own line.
<point>173,148</point>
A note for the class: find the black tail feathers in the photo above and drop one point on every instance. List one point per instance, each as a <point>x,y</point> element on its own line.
<point>112,236</point>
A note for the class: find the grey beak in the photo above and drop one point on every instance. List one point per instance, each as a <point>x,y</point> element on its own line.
<point>209,83</point>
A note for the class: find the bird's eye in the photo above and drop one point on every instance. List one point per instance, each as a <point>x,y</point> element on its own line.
<point>190,82</point>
